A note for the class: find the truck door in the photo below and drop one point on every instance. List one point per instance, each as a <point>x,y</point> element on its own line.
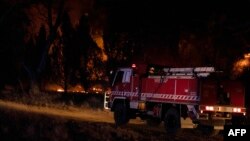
<point>126,86</point>
<point>121,84</point>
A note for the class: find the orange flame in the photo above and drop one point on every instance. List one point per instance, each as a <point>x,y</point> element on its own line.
<point>241,64</point>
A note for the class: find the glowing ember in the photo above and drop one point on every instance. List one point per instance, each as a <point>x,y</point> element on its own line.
<point>76,89</point>
<point>60,90</point>
<point>247,56</point>
<point>53,87</point>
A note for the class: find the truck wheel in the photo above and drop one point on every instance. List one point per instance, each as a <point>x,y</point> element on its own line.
<point>239,120</point>
<point>208,130</point>
<point>151,121</point>
<point>172,121</point>
<point>121,114</point>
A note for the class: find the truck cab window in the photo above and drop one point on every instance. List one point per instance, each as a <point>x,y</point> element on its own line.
<point>118,77</point>
<point>127,75</point>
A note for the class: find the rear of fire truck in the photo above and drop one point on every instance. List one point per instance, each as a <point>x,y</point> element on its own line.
<point>222,101</point>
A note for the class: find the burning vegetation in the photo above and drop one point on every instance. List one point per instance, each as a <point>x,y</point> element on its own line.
<point>70,43</point>
<point>57,88</point>
<point>241,65</point>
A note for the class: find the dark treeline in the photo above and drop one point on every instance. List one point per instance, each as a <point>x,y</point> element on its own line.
<point>59,53</point>
<point>67,54</point>
<point>12,33</point>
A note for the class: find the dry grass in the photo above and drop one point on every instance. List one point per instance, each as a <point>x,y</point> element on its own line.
<point>48,117</point>
<point>31,123</point>
<point>57,100</point>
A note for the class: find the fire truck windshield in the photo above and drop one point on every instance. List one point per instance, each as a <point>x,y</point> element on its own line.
<point>118,77</point>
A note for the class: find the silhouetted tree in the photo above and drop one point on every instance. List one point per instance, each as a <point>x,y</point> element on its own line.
<point>68,56</point>
<point>13,21</point>
<point>56,61</point>
<point>91,65</point>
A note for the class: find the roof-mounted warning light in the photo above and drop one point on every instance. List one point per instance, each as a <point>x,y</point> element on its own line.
<point>133,66</point>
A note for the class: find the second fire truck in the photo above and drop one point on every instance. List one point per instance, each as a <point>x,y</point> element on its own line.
<point>176,95</point>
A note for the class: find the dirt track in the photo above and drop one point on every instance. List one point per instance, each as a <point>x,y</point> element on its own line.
<point>69,113</point>
<point>23,122</point>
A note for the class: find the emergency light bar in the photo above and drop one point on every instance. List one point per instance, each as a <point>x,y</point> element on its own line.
<point>199,71</point>
<point>204,69</point>
<point>186,70</point>
<point>133,66</point>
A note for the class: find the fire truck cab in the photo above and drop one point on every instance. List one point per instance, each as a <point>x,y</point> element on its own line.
<point>176,96</point>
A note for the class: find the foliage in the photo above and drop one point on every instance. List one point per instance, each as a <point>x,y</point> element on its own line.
<point>13,23</point>
<point>63,52</point>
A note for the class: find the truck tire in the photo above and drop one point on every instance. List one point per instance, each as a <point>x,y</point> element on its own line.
<point>151,121</point>
<point>172,121</point>
<point>239,120</point>
<point>208,130</point>
<point>121,114</point>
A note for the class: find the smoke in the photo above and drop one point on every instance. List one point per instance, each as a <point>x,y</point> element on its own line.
<point>77,8</point>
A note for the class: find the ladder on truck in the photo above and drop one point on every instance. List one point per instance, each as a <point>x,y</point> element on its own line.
<point>190,71</point>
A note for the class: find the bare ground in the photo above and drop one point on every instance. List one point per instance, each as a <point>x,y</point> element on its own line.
<point>35,123</point>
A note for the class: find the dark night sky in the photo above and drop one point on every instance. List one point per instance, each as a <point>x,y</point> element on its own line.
<point>162,21</point>
<point>161,15</point>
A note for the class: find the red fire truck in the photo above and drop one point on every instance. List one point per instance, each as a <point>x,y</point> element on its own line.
<point>176,96</point>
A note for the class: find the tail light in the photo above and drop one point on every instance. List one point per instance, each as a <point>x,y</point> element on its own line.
<point>237,110</point>
<point>227,109</point>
